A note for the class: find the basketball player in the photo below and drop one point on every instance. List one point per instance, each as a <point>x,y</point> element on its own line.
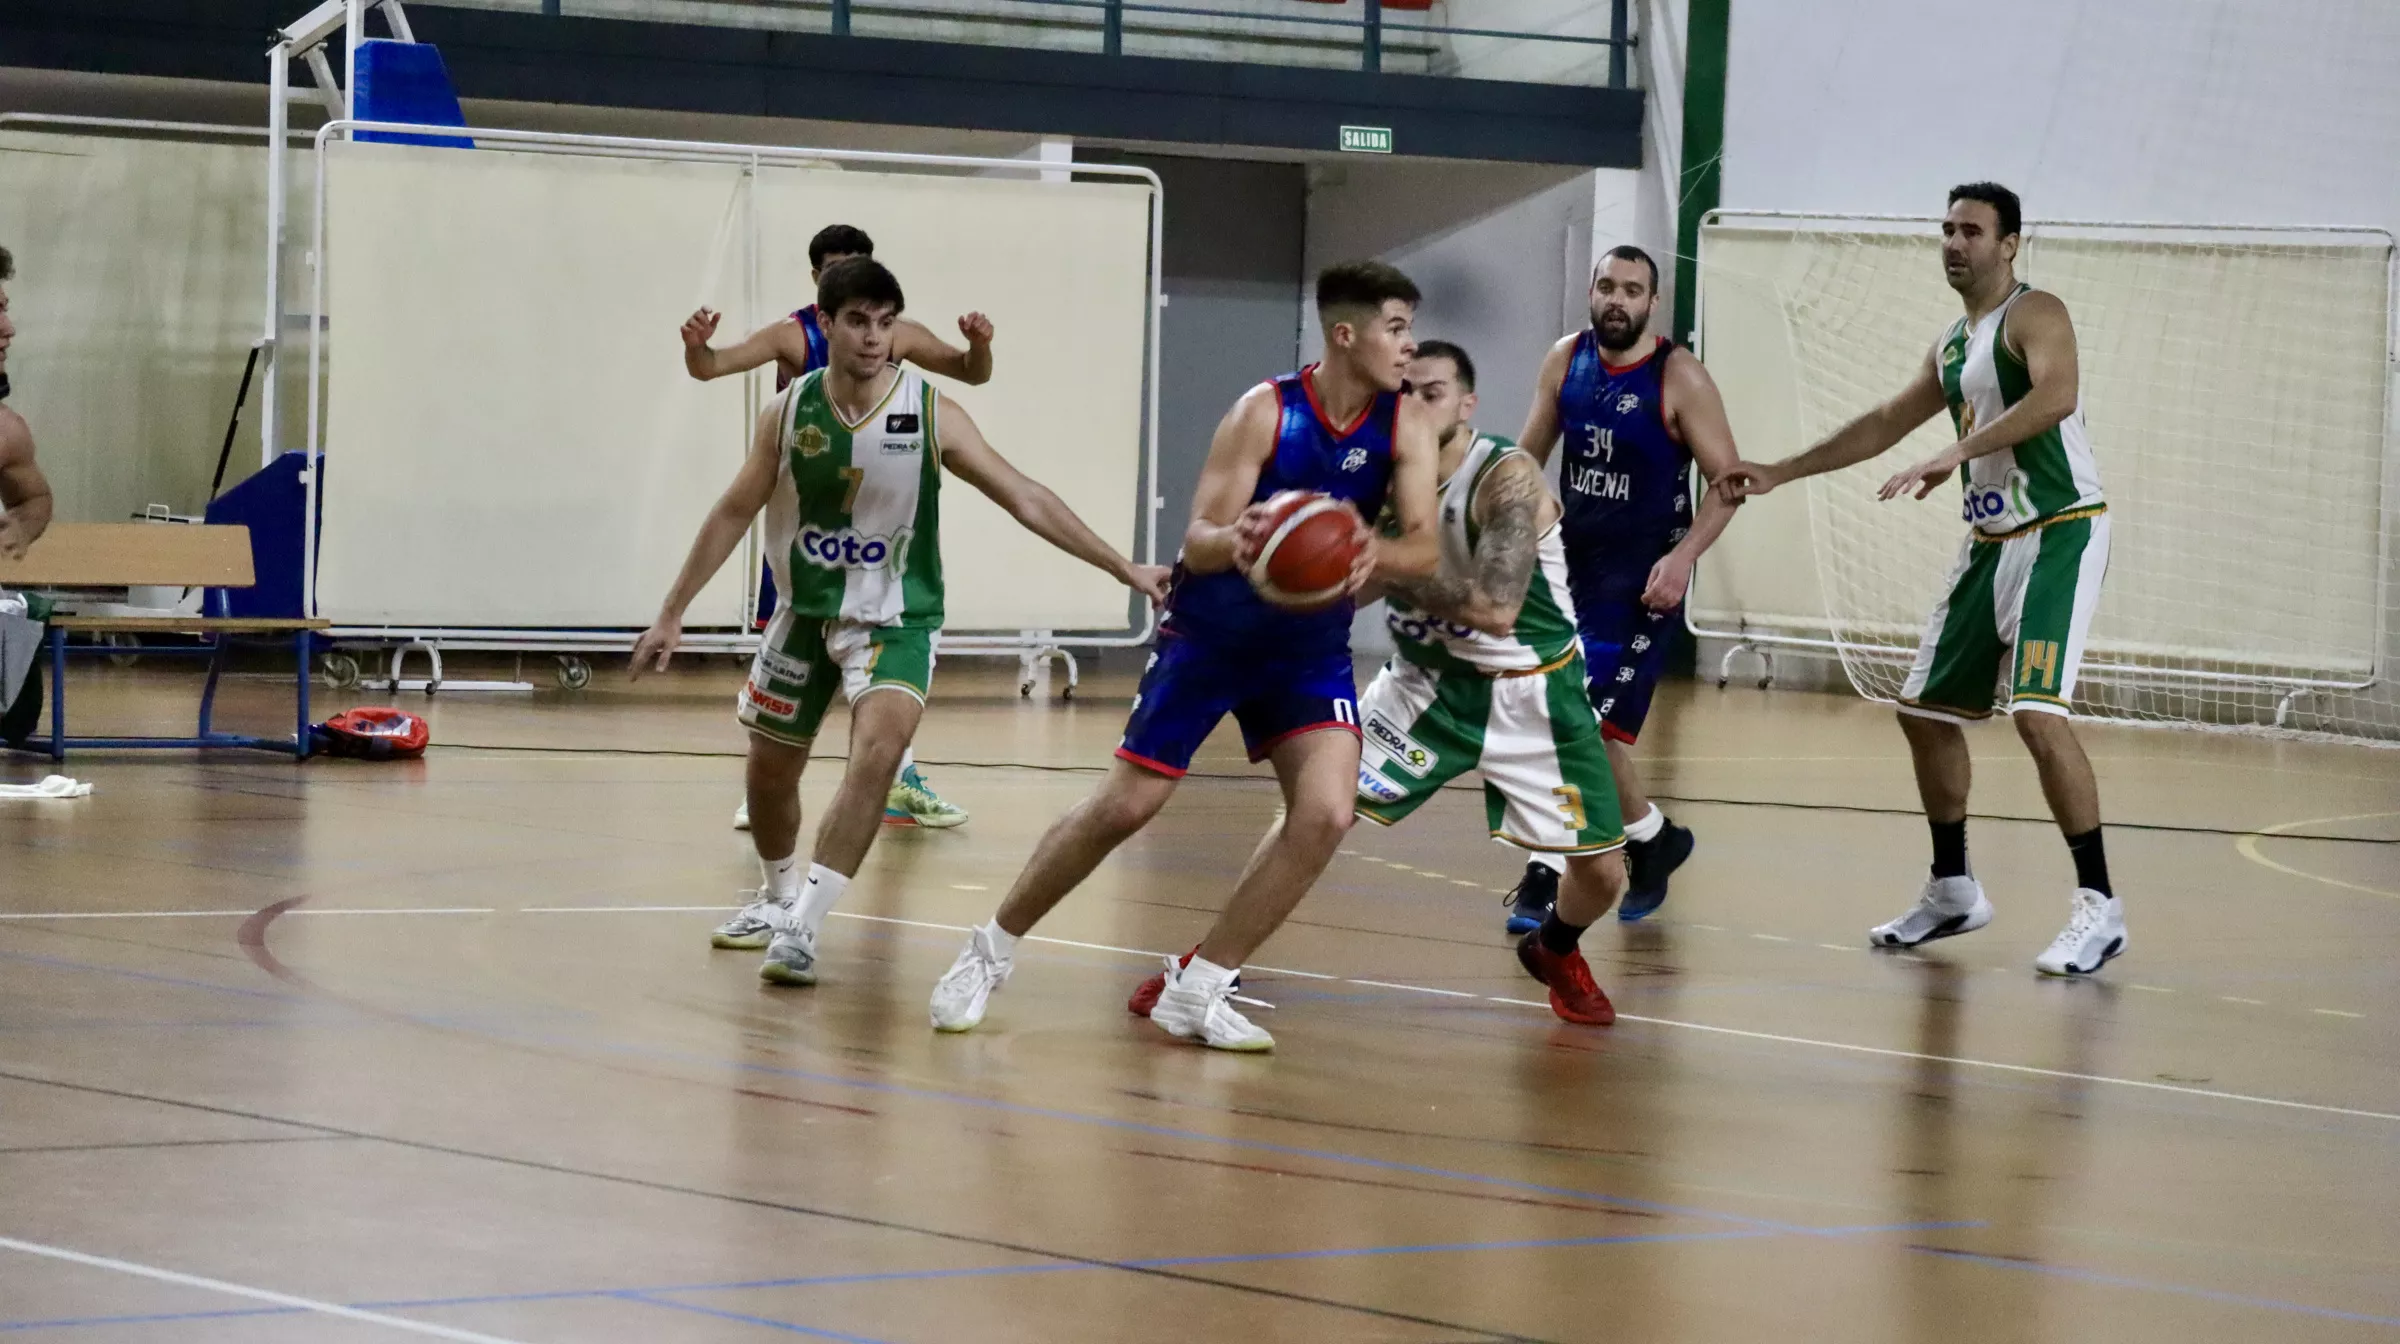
<point>24,495</point>
<point>1636,413</point>
<point>1341,426</point>
<point>1487,676</point>
<point>847,463</point>
<point>797,345</point>
<point>2020,599</point>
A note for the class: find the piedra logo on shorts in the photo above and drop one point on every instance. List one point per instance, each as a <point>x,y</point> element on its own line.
<point>1398,745</point>
<point>849,548</point>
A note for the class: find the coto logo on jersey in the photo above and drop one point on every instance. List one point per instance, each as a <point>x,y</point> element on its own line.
<point>810,441</point>
<point>849,548</point>
<point>1403,749</point>
<point>1627,402</point>
<point>1354,459</point>
<point>1417,629</point>
<point>1986,503</point>
<point>1378,788</point>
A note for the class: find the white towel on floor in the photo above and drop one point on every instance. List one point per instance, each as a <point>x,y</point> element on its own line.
<point>55,786</point>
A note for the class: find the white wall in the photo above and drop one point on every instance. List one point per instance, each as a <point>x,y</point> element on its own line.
<point>2193,111</point>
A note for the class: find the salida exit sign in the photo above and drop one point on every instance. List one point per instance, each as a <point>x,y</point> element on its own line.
<point>1366,139</point>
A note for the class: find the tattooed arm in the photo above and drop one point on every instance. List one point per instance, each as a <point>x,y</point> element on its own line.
<point>1513,506</point>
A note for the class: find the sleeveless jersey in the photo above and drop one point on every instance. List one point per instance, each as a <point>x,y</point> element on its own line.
<point>853,529</point>
<point>2051,473</point>
<point>1352,462</point>
<point>1625,481</point>
<point>1545,628</point>
<point>814,332</point>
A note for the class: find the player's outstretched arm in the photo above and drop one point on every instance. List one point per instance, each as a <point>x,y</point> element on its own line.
<point>1508,505</point>
<point>1697,414</point>
<point>728,520</point>
<point>1870,434</point>
<point>914,343</point>
<point>1413,548</point>
<point>1034,505</point>
<point>1226,531</point>
<point>782,339</point>
<point>24,494</point>
<point>1541,423</point>
<point>2044,337</point>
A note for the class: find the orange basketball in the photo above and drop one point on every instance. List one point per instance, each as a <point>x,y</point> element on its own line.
<point>1308,554</point>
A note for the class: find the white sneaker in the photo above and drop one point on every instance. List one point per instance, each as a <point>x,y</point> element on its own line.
<point>1948,906</point>
<point>741,816</point>
<point>791,958</point>
<point>750,930</point>
<point>1187,1009</point>
<point>964,991</point>
<point>2095,935</point>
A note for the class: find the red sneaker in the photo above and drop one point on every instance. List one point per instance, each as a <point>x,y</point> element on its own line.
<point>1145,995</point>
<point>1574,995</point>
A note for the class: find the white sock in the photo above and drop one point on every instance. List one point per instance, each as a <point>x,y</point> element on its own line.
<point>1556,863</point>
<point>783,878</point>
<point>825,888</point>
<point>908,762</point>
<point>1647,829</point>
<point>1001,941</point>
<point>1204,975</point>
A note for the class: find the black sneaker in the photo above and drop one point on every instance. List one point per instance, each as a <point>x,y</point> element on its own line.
<point>1649,863</point>
<point>1530,900</point>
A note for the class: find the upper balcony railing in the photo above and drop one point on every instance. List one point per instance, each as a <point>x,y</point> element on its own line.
<point>1587,42</point>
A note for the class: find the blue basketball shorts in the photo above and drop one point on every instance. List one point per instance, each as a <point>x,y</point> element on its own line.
<point>1192,683</point>
<point>1624,647</point>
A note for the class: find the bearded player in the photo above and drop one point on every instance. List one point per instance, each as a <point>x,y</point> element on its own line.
<point>1635,412</point>
<point>1342,427</point>
<point>2021,597</point>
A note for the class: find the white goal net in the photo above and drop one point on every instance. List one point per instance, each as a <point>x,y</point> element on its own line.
<point>2237,387</point>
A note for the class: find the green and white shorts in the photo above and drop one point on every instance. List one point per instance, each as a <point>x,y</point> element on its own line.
<point>2010,631</point>
<point>1546,781</point>
<point>803,661</point>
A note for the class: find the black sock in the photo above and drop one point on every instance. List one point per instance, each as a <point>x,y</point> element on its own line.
<point>2091,861</point>
<point>1950,847</point>
<point>1558,935</point>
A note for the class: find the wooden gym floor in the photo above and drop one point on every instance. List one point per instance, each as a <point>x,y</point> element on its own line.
<point>349,1052</point>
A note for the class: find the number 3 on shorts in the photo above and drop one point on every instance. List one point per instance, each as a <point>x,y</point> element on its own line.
<point>1570,802</point>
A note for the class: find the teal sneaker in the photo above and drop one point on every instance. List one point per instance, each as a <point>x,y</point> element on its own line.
<point>912,802</point>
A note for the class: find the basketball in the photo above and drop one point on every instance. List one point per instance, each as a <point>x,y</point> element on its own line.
<point>1309,551</point>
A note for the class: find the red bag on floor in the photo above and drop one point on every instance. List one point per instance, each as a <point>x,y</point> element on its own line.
<point>373,734</point>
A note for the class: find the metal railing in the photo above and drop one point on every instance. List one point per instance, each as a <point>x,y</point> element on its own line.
<point>1370,39</point>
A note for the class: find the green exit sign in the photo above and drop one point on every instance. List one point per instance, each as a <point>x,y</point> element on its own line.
<point>1366,139</point>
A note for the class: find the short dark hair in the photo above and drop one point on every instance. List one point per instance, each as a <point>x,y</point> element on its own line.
<point>2001,199</point>
<point>1457,357</point>
<point>857,280</point>
<point>1628,252</point>
<point>1363,284</point>
<point>8,265</point>
<point>838,240</point>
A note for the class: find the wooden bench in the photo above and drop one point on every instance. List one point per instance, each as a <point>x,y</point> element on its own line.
<point>120,555</point>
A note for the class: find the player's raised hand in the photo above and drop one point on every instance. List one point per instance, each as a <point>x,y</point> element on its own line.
<point>976,328</point>
<point>1918,481</point>
<point>1745,479</point>
<point>655,647</point>
<point>1670,579</point>
<point>699,327</point>
<point>1150,581</point>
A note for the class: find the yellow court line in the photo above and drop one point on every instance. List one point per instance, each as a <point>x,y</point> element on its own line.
<point>2247,847</point>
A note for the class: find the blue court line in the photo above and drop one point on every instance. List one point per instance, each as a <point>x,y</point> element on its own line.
<point>2146,1285</point>
<point>975,1271</point>
<point>65,965</point>
<point>768,1321</point>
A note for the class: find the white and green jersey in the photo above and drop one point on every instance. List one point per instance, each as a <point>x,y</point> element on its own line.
<point>1545,629</point>
<point>853,529</point>
<point>2044,477</point>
